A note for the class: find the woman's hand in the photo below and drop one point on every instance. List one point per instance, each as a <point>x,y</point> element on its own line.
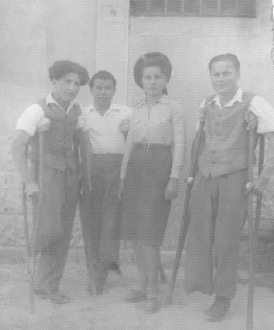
<point>32,189</point>
<point>121,189</point>
<point>171,191</point>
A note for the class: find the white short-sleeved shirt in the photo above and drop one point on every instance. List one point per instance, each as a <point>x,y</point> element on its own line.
<point>31,117</point>
<point>258,105</point>
<point>105,132</point>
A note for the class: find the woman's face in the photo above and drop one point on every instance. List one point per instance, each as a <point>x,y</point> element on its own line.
<point>153,81</point>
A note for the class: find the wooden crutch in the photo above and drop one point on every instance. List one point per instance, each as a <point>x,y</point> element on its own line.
<point>31,242</point>
<point>29,251</point>
<point>253,226</point>
<point>84,207</point>
<point>185,216</point>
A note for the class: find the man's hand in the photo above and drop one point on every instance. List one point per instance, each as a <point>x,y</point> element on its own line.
<point>251,120</point>
<point>85,184</point>
<point>171,191</point>
<point>256,187</point>
<point>189,180</point>
<point>32,189</point>
<point>124,126</point>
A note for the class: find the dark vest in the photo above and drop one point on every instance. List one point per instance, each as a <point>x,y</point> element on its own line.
<point>226,138</point>
<point>58,140</point>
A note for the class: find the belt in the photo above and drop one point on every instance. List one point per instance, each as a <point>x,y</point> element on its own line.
<point>151,146</point>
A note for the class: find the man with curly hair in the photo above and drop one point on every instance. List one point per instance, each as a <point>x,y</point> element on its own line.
<point>60,177</point>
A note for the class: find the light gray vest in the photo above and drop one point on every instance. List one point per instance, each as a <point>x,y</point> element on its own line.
<point>226,138</point>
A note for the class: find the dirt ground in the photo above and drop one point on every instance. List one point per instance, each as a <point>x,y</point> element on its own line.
<point>110,311</point>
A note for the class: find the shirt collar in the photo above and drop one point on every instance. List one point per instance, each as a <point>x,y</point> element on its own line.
<point>238,97</point>
<point>50,100</point>
<point>113,107</point>
<point>163,99</point>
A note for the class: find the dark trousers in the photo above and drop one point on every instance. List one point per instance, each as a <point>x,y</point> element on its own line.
<point>105,208</point>
<point>217,211</point>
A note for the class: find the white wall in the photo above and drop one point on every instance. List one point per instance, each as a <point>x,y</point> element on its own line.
<point>190,42</point>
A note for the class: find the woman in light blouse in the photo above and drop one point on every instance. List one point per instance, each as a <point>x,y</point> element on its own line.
<point>152,162</point>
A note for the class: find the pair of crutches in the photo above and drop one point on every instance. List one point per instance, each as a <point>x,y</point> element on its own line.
<point>30,239</point>
<point>253,226</point>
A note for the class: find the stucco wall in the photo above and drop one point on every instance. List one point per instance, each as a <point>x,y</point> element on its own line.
<point>190,42</point>
<point>35,33</point>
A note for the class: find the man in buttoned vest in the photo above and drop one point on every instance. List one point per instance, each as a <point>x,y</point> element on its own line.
<point>218,201</point>
<point>107,124</point>
<point>60,177</point>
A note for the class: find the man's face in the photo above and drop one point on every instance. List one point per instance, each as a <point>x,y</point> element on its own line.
<point>66,88</point>
<point>102,91</point>
<point>224,77</point>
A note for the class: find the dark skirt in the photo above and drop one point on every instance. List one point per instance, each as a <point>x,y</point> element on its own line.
<point>145,209</point>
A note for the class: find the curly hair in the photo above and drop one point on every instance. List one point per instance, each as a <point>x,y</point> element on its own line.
<point>61,68</point>
<point>152,59</point>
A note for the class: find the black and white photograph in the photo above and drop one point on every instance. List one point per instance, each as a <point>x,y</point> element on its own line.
<point>137,164</point>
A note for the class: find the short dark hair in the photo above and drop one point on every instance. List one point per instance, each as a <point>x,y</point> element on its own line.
<point>152,59</point>
<point>104,75</point>
<point>226,57</point>
<point>61,68</point>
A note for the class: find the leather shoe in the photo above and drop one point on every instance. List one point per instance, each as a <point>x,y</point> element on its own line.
<point>152,305</point>
<point>136,296</point>
<point>100,284</point>
<point>54,296</point>
<point>114,266</point>
<point>218,309</point>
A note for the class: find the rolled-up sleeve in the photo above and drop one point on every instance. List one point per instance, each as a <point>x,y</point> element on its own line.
<point>268,168</point>
<point>30,119</point>
<point>264,113</point>
<point>179,139</point>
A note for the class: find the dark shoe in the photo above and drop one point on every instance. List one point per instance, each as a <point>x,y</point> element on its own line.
<point>218,309</point>
<point>152,305</point>
<point>54,296</point>
<point>92,289</point>
<point>114,266</point>
<point>100,284</point>
<point>136,296</point>
<point>101,273</point>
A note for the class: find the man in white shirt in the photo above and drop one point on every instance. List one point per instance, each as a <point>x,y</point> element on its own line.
<point>107,125</point>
